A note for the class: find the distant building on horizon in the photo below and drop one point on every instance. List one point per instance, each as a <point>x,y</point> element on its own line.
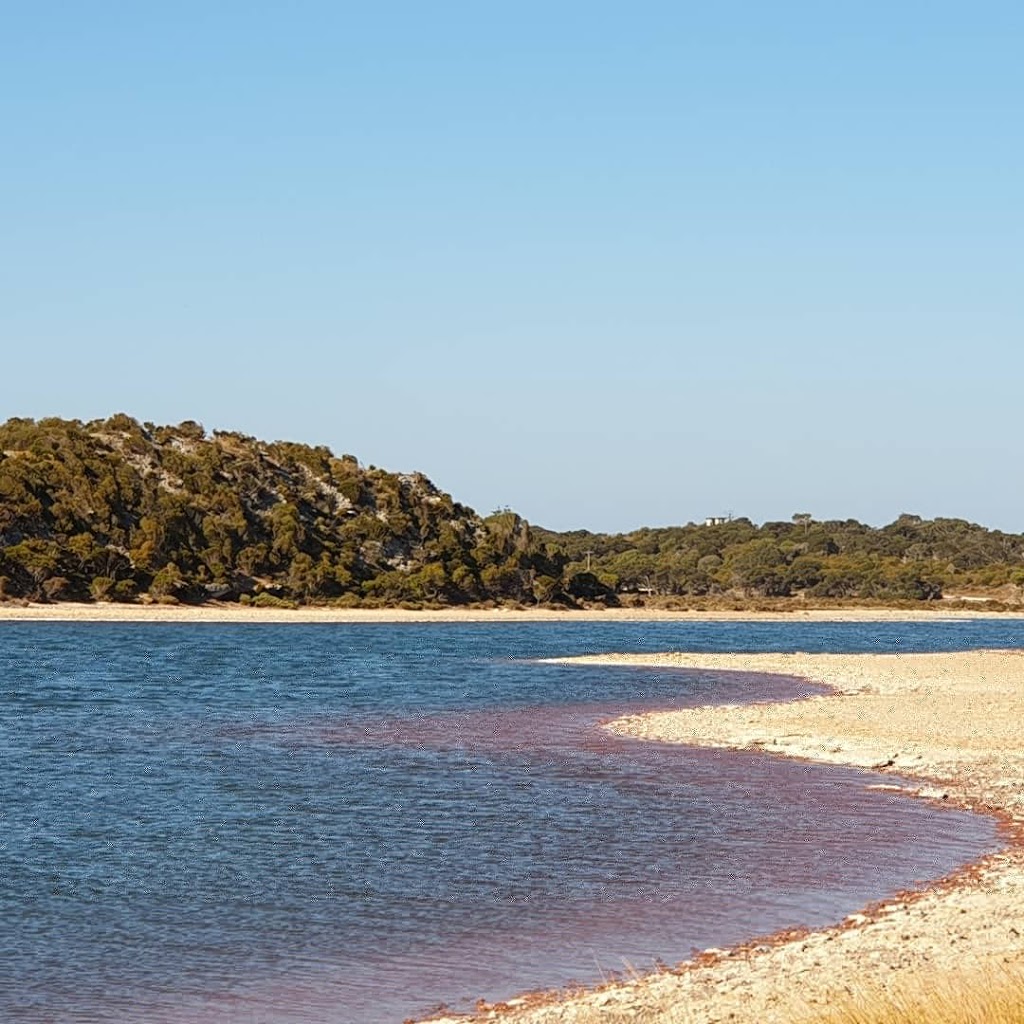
<point>718,520</point>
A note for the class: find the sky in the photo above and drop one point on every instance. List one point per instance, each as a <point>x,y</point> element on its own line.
<point>611,265</point>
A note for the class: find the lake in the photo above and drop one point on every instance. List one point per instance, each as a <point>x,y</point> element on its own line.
<point>354,824</point>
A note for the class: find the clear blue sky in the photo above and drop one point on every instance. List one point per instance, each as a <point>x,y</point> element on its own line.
<point>610,264</point>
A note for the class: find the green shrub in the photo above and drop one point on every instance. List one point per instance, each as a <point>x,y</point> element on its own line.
<point>265,600</point>
<point>102,588</point>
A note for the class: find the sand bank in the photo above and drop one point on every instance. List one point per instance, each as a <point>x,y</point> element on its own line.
<point>71,612</point>
<point>953,721</point>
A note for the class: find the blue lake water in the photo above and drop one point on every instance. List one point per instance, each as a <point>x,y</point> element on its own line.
<point>287,824</point>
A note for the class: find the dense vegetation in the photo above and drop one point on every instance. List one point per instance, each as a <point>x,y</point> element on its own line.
<point>910,559</point>
<point>115,509</point>
<point>118,510</point>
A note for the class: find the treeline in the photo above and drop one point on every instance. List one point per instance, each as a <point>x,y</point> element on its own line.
<point>910,559</point>
<point>117,510</point>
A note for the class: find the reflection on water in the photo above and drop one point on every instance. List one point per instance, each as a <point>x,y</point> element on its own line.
<point>342,824</point>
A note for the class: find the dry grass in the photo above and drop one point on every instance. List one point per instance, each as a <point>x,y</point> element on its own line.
<point>985,997</point>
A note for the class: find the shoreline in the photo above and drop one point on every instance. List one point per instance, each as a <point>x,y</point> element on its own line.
<point>227,613</point>
<point>953,723</point>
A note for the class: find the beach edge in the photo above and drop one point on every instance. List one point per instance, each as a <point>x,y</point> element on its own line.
<point>978,908</point>
<point>234,613</point>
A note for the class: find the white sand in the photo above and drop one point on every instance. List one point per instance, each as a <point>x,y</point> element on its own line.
<point>71,612</point>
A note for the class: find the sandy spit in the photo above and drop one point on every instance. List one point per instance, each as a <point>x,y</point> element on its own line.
<point>72,612</point>
<point>953,721</point>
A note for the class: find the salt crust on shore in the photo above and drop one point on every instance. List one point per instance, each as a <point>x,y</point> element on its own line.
<point>953,721</point>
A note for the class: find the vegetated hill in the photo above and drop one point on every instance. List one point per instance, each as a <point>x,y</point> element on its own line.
<point>910,559</point>
<point>118,510</point>
<point>114,509</point>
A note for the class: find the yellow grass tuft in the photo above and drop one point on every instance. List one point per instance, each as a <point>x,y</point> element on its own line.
<point>991,996</point>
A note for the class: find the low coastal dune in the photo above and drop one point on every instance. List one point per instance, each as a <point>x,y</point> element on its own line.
<point>955,722</point>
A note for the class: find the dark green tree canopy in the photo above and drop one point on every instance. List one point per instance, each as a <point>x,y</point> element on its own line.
<point>115,509</point>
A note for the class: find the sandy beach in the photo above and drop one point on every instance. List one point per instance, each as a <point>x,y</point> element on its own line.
<point>954,723</point>
<point>213,612</point>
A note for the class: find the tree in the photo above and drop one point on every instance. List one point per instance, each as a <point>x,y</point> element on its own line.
<point>167,582</point>
<point>758,567</point>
